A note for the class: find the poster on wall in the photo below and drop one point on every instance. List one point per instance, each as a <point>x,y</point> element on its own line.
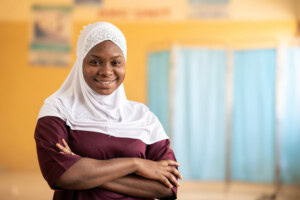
<point>150,10</point>
<point>208,9</point>
<point>130,10</point>
<point>50,36</point>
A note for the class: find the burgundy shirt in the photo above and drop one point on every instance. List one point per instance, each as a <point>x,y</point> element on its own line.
<point>50,130</point>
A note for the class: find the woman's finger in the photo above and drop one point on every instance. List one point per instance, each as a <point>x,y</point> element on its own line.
<point>166,181</point>
<point>65,150</point>
<point>173,163</point>
<point>169,163</point>
<point>66,144</point>
<point>172,179</point>
<point>60,147</point>
<point>175,172</point>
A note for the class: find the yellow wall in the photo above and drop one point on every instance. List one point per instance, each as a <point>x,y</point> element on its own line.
<point>262,9</point>
<point>17,10</point>
<point>23,87</point>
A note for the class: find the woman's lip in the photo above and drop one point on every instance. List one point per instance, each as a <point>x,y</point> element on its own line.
<point>104,81</point>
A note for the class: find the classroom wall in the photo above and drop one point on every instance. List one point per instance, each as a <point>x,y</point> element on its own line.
<point>238,9</point>
<point>262,9</point>
<point>297,6</point>
<point>24,87</point>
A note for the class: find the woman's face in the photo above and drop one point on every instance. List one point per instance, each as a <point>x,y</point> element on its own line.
<point>104,67</point>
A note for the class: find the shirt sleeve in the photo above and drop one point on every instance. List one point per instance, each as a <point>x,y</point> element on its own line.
<point>48,132</point>
<point>161,151</point>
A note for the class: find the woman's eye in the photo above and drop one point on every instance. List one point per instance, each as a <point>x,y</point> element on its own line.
<point>95,62</point>
<point>116,63</point>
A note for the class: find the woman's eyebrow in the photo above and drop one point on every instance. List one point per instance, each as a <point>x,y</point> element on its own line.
<point>95,56</point>
<point>101,57</point>
<point>116,56</point>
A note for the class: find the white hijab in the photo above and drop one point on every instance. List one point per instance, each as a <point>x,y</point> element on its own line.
<point>83,109</point>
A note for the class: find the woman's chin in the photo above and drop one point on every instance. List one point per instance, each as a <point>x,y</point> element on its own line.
<point>105,91</point>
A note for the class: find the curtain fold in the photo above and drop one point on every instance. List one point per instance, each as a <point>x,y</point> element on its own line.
<point>199,113</point>
<point>158,86</point>
<point>253,136</point>
<point>290,117</point>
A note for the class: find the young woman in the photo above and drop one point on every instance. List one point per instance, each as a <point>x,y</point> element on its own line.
<point>92,142</point>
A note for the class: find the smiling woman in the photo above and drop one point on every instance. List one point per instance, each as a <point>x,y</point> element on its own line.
<point>92,142</point>
<point>104,67</point>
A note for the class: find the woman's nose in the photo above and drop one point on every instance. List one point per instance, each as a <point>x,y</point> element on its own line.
<point>105,70</point>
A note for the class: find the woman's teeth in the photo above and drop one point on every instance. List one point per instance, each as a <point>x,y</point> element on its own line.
<point>104,82</point>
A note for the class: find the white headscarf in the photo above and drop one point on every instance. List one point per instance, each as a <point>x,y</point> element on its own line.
<point>83,109</point>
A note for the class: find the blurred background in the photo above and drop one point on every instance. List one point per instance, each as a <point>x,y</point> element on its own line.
<point>223,76</point>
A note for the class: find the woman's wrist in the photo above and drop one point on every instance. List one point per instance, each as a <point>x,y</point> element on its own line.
<point>136,164</point>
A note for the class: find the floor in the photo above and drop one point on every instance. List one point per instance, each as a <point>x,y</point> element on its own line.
<point>31,186</point>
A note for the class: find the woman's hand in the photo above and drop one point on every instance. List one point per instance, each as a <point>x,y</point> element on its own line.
<point>66,149</point>
<point>164,171</point>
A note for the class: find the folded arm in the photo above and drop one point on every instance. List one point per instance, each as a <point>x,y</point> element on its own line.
<point>88,173</point>
<point>137,186</point>
<point>153,180</point>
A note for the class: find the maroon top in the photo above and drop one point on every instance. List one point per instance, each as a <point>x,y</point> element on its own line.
<point>50,130</point>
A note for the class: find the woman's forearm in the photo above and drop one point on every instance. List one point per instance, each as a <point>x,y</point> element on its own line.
<point>137,186</point>
<point>88,173</point>
<point>154,180</point>
<point>115,175</point>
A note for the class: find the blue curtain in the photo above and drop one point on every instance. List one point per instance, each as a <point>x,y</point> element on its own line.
<point>290,118</point>
<point>199,113</point>
<point>198,136</point>
<point>253,136</point>
<point>158,86</point>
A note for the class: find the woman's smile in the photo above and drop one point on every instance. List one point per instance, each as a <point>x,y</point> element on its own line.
<point>104,83</point>
<point>104,68</point>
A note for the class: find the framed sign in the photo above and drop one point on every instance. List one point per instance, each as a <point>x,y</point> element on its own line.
<point>50,36</point>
